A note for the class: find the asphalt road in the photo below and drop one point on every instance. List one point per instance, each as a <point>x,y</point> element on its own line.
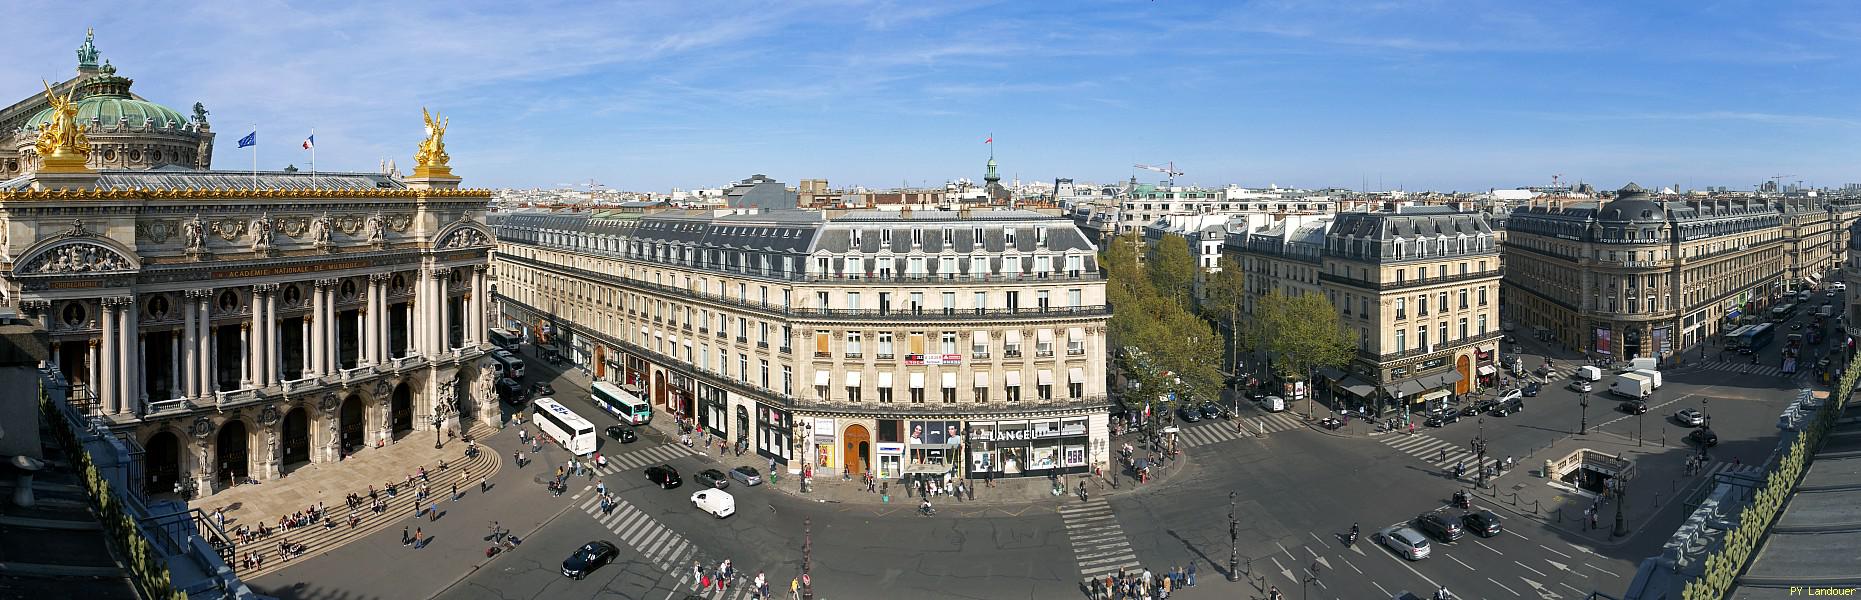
<point>1296,491</point>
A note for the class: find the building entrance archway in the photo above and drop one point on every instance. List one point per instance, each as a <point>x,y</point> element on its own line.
<point>352,424</point>
<point>401,409</point>
<point>162,462</point>
<point>600,362</point>
<point>1465,366</point>
<point>232,452</point>
<point>743,425</point>
<point>296,436</point>
<point>856,453</point>
<point>659,390</point>
<point>462,396</point>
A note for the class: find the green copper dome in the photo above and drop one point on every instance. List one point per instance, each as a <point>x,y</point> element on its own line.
<point>106,99</point>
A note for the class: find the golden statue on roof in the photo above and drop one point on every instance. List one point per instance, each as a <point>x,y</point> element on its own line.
<point>62,146</point>
<point>431,159</point>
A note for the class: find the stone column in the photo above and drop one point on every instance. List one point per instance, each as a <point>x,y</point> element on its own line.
<point>129,388</point>
<point>313,329</point>
<point>108,372</point>
<point>304,355</point>
<point>481,302</point>
<point>94,365</point>
<point>443,280</point>
<point>271,348</point>
<point>206,379</point>
<point>211,379</point>
<point>176,388</point>
<point>190,329</point>
<point>370,314</point>
<point>245,350</point>
<point>332,342</point>
<point>141,369</point>
<point>413,329</point>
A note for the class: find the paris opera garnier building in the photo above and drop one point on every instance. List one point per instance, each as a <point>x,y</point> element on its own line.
<point>232,323</point>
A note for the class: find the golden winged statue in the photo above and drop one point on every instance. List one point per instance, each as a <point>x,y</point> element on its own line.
<point>432,153</point>
<point>62,139</point>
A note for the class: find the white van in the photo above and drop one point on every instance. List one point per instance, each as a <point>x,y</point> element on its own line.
<point>1272,403</point>
<point>1589,373</point>
<point>717,502</point>
<point>1652,375</point>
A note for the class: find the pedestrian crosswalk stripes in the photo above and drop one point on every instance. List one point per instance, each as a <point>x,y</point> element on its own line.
<point>661,546</point>
<point>1099,543</point>
<point>618,463</point>
<point>1219,431</point>
<point>1441,453</point>
<point>1743,367</point>
<point>1720,466</point>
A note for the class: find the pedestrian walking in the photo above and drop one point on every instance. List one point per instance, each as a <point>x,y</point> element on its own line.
<point>482,487</point>
<point>1443,455</point>
<point>455,492</point>
<point>419,538</point>
<point>405,538</point>
<point>432,512</point>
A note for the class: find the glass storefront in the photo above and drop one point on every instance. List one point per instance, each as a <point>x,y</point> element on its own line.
<point>774,433</point>
<point>1036,447</point>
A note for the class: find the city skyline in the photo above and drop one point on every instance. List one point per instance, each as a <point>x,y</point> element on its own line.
<point>1427,95</point>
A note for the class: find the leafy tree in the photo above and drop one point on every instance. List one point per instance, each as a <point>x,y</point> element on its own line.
<point>1225,291</point>
<point>1302,331</point>
<point>1172,268</point>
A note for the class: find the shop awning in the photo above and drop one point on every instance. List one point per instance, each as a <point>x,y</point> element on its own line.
<point>1450,378</point>
<point>1409,388</point>
<point>982,380</point>
<point>1358,385</point>
<point>1076,334</point>
<point>949,381</point>
<point>1434,395</point>
<point>1011,379</point>
<point>821,378</point>
<point>1043,377</point>
<point>1330,373</point>
<point>1076,374</point>
<point>979,338</point>
<point>1043,336</point>
<point>1013,337</point>
<point>852,379</point>
<point>917,381</point>
<point>885,379</point>
<point>1487,370</point>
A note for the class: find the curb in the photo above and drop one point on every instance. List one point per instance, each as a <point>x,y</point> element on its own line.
<point>1609,541</point>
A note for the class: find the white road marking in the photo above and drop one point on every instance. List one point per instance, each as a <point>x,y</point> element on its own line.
<point>1548,548</point>
<point>1469,567</point>
<point>1583,549</point>
<point>1483,545</point>
<point>1283,571</point>
<point>1282,548</point>
<point>1352,565</point>
<point>1405,564</point>
<point>1378,586</point>
<point>1503,587</point>
<point>1308,550</point>
<point>1321,541</point>
<point>1611,573</point>
<point>1581,592</point>
<point>1528,568</point>
<point>1566,568</point>
<point>1516,534</point>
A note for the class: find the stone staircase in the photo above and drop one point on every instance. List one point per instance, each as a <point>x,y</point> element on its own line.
<point>319,539</point>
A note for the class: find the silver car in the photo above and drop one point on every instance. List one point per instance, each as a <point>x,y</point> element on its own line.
<point>1409,543</point>
<point>1690,417</point>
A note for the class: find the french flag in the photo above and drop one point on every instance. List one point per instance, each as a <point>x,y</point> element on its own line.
<point>310,142</point>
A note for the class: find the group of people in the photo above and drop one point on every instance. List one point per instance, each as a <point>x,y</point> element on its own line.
<point>1143,584</point>
<point>725,575</point>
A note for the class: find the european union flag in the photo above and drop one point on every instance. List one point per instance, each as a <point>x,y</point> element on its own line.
<point>251,139</point>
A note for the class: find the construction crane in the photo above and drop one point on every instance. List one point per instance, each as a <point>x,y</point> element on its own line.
<point>1778,181</point>
<point>1169,171</point>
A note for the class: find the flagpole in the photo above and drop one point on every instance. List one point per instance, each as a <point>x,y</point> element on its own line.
<point>313,151</point>
<point>255,156</point>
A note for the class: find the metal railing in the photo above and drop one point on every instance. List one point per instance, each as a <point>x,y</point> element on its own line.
<point>1409,283</point>
<point>1455,344</point>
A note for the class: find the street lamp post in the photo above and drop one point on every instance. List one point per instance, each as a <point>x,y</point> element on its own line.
<point>1621,498</point>
<point>807,559</point>
<point>440,412</point>
<point>1308,579</point>
<point>1583,420</point>
<point>1234,553</point>
<point>1479,445</point>
<point>1641,435</point>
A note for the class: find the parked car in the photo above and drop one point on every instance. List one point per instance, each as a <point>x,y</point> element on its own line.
<point>1439,525</point>
<point>588,557</point>
<point>665,476</point>
<point>1211,410</point>
<point>1478,407</point>
<point>1704,437</point>
<point>1405,541</point>
<point>542,389</point>
<point>1442,417</point>
<point>717,502</point>
<point>1633,407</point>
<point>622,433</point>
<point>712,478</point>
<point>1189,414</point>
<point>1690,417</point>
<point>747,475</point>
<point>1482,523</point>
<point>1581,385</point>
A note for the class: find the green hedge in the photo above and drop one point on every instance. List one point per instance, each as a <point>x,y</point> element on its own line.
<point>1723,566</point>
<point>147,567</point>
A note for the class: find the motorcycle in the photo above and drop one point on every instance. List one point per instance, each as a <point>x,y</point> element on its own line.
<point>1350,539</point>
<point>1462,500</point>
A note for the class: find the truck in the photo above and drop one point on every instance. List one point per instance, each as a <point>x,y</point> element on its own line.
<point>1652,375</point>
<point>1644,363</point>
<point>1632,385</point>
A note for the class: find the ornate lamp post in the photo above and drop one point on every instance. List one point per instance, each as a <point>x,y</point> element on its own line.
<point>807,559</point>
<point>1234,553</point>
<point>1621,498</point>
<point>1479,445</point>
<point>1583,422</point>
<point>441,411</point>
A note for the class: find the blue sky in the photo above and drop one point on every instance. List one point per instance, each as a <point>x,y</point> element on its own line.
<point>650,96</point>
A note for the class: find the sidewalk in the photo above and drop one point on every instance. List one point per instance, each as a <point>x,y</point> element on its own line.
<point>834,489</point>
<point>1659,480</point>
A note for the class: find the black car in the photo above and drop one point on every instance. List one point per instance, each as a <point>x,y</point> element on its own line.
<point>1633,407</point>
<point>712,478</point>
<point>1440,526</point>
<point>664,475</point>
<point>1479,407</point>
<point>1189,414</point>
<point>1442,417</point>
<point>510,390</point>
<point>1212,410</point>
<point>1531,389</point>
<point>588,557</point>
<point>622,433</point>
<point>1482,523</point>
<point>542,389</point>
<point>1704,437</point>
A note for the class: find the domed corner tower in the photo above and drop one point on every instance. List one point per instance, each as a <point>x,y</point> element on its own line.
<point>125,131</point>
